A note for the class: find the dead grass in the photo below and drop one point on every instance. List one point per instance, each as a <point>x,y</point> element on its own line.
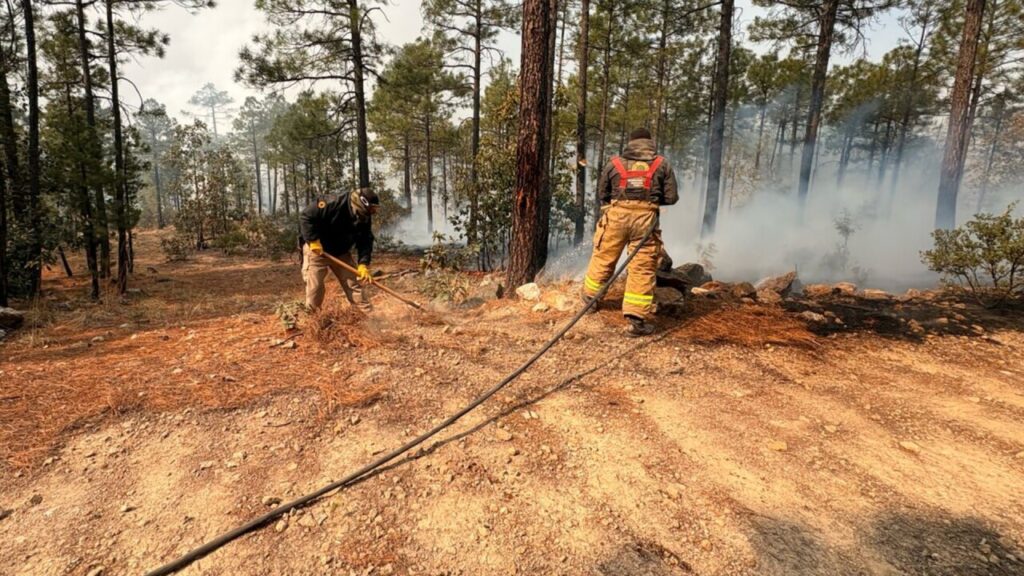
<point>715,323</point>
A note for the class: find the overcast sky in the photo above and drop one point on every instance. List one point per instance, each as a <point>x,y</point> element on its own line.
<point>204,47</point>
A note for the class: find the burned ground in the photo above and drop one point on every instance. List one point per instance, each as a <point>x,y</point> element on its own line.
<point>738,440</point>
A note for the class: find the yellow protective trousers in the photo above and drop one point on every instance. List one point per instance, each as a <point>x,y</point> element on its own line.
<point>622,225</point>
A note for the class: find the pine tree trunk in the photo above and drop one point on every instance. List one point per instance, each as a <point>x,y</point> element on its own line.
<point>256,160</point>
<point>953,159</point>
<point>473,235</point>
<point>1000,113</point>
<point>362,142</point>
<point>760,137</point>
<point>95,147</point>
<point>582,64</point>
<point>407,173</point>
<point>529,236</point>
<point>3,229</point>
<point>156,185</point>
<point>718,103</point>
<point>906,106</point>
<point>35,245</point>
<point>605,85</point>
<point>826,29</point>
<point>120,177</point>
<point>88,230</point>
<point>430,177</point>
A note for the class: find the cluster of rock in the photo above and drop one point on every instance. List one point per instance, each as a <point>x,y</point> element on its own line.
<point>10,319</point>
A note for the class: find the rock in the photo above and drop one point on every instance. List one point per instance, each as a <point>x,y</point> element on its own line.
<point>779,446</point>
<point>812,316</point>
<point>529,292</point>
<point>911,447</point>
<point>35,500</point>
<point>126,508</point>
<point>307,521</point>
<point>780,285</point>
<point>97,339</point>
<point>354,419</point>
<point>503,435</point>
<point>817,290</point>
<point>831,429</point>
<point>562,303</point>
<point>97,571</point>
<point>540,307</point>
<point>11,319</point>
<point>845,288</point>
<point>768,297</point>
<point>742,290</point>
<point>270,501</point>
<point>281,525</point>
<point>206,464</point>
<point>872,294</point>
<point>682,278</point>
<point>700,292</point>
<point>715,286</point>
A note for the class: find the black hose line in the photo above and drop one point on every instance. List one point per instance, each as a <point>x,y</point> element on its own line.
<point>212,545</point>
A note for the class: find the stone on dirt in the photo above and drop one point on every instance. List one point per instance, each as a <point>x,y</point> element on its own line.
<point>812,316</point>
<point>872,294</point>
<point>97,571</point>
<point>683,278</point>
<point>743,290</point>
<point>817,290</point>
<point>562,303</point>
<point>911,447</point>
<point>845,288</point>
<point>529,292</point>
<point>10,318</point>
<point>541,307</point>
<point>768,297</point>
<point>781,285</point>
<point>503,435</point>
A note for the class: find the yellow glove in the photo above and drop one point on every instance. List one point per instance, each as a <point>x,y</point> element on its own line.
<point>363,273</point>
<point>316,248</point>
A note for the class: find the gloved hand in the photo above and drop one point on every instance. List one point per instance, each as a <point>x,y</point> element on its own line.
<point>363,273</point>
<point>316,248</point>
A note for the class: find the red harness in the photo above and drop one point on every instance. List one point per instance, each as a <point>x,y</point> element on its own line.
<point>628,178</point>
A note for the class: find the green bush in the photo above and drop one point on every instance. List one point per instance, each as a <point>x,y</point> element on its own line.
<point>177,247</point>
<point>234,241</point>
<point>985,256</point>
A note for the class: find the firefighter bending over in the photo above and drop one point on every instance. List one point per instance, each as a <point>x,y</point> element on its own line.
<point>631,190</point>
<point>334,224</point>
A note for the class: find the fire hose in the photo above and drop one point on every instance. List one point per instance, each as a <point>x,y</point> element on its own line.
<point>219,541</point>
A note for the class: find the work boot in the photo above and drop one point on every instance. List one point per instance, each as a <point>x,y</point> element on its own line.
<point>584,299</point>
<point>639,326</point>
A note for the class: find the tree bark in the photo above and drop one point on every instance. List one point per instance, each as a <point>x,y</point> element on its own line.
<point>88,232</point>
<point>1000,113</point>
<point>605,81</point>
<point>120,177</point>
<point>95,148</point>
<point>583,64</point>
<point>474,143</point>
<point>11,170</point>
<point>362,142</point>
<point>718,103</point>
<point>826,29</point>
<point>3,232</point>
<point>906,105</point>
<point>760,137</point>
<point>430,176</point>
<point>953,159</point>
<point>529,236</point>
<point>35,245</point>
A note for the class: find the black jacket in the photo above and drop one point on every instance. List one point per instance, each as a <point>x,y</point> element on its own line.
<point>663,186</point>
<point>330,221</point>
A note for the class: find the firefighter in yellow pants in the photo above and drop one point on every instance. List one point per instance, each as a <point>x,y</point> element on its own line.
<point>632,188</point>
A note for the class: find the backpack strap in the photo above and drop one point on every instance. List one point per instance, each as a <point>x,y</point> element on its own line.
<point>623,173</point>
<point>649,175</point>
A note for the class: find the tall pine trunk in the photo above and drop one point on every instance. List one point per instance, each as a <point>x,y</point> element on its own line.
<point>3,235</point>
<point>582,64</point>
<point>35,245</point>
<point>256,160</point>
<point>11,173</point>
<point>474,142</point>
<point>120,177</point>
<point>95,147</point>
<point>907,104</point>
<point>430,176</point>
<point>407,173</point>
<point>826,30</point>
<point>718,103</point>
<point>760,136</point>
<point>88,232</point>
<point>953,159</point>
<point>529,234</point>
<point>605,89</point>
<point>362,142</point>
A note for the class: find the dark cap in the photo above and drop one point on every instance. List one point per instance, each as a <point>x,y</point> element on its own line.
<point>640,133</point>
<point>370,196</point>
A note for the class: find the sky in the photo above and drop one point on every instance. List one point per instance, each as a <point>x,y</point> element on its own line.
<point>204,47</point>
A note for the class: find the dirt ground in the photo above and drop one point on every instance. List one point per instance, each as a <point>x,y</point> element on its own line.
<point>132,432</point>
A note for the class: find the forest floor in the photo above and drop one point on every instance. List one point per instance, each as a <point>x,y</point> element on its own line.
<point>733,441</point>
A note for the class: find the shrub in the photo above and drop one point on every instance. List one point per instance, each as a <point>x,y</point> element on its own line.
<point>234,241</point>
<point>985,256</point>
<point>443,264</point>
<point>177,247</point>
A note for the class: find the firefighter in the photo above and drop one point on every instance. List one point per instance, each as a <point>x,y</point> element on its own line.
<point>631,188</point>
<point>334,225</point>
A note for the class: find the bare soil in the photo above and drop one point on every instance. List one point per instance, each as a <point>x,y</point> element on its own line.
<point>733,441</point>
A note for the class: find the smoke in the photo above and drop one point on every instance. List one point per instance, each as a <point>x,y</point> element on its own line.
<point>414,229</point>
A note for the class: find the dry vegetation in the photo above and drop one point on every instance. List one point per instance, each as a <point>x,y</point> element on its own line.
<point>735,441</point>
